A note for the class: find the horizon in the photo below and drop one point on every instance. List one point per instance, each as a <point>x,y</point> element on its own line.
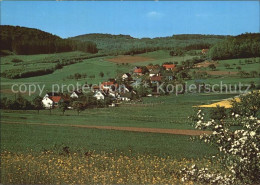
<point>137,19</point>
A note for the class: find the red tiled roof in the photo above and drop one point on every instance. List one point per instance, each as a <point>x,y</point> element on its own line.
<point>169,66</point>
<point>108,83</point>
<point>156,78</point>
<point>138,70</point>
<point>95,87</point>
<point>55,99</point>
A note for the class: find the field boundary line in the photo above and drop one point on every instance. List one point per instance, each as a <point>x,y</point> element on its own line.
<point>131,129</point>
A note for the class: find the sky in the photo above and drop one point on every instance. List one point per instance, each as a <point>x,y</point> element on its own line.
<point>138,19</point>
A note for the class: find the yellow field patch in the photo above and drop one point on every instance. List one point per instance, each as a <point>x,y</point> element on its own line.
<point>223,103</point>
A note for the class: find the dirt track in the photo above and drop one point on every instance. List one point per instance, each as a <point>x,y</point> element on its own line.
<point>129,59</point>
<point>131,129</point>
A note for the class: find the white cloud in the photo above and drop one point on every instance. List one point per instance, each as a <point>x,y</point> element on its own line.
<point>154,14</point>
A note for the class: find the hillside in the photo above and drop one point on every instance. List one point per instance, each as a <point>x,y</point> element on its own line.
<point>125,44</point>
<point>26,41</point>
<point>241,46</point>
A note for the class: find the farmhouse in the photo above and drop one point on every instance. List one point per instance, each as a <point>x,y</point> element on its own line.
<point>51,101</point>
<point>138,71</point>
<point>51,94</point>
<point>99,95</point>
<point>126,76</point>
<point>152,67</point>
<point>169,67</point>
<point>204,51</point>
<point>76,94</point>
<point>155,72</point>
<point>155,79</point>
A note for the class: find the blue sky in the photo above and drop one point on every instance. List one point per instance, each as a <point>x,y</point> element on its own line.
<point>138,19</point>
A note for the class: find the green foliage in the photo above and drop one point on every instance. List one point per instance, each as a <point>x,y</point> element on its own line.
<point>218,113</point>
<point>248,105</point>
<point>19,103</point>
<point>212,67</point>
<point>37,103</point>
<point>63,106</point>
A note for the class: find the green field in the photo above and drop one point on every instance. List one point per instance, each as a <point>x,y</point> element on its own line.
<point>162,112</point>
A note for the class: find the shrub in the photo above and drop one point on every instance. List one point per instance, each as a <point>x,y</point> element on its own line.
<point>240,148</point>
<point>16,60</point>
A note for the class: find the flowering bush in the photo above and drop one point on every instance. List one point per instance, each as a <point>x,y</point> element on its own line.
<point>240,148</point>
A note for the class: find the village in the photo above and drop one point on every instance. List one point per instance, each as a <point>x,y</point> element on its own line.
<point>139,82</point>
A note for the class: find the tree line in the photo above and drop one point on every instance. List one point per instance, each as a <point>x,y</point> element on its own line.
<point>27,41</point>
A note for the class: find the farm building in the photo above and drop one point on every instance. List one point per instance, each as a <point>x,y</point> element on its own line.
<point>99,95</point>
<point>155,79</point>
<point>51,101</point>
<point>169,67</point>
<point>76,94</point>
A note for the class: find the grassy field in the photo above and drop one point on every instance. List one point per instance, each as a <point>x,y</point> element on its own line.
<point>162,112</point>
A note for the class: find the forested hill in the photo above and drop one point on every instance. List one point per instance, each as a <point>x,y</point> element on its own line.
<point>102,36</point>
<point>241,46</point>
<point>198,36</point>
<point>125,44</point>
<point>25,41</point>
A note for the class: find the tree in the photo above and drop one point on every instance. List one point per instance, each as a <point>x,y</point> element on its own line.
<point>37,103</point>
<point>101,74</point>
<point>239,147</point>
<point>218,113</point>
<point>239,68</point>
<point>253,74</point>
<point>78,106</point>
<point>227,66</point>
<point>63,107</point>
<point>212,67</point>
<point>248,105</point>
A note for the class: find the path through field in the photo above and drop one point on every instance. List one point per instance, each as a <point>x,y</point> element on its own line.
<point>131,129</point>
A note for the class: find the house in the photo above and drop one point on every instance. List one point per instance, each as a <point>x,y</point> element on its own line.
<point>95,88</point>
<point>169,67</point>
<point>138,71</point>
<point>126,76</point>
<point>154,72</point>
<point>51,101</point>
<point>99,95</point>
<point>152,67</point>
<point>51,94</point>
<point>156,79</point>
<point>168,75</point>
<point>204,51</point>
<point>127,96</point>
<point>76,94</point>
<point>109,86</point>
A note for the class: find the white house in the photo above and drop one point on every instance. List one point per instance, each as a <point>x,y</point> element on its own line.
<point>99,95</point>
<point>51,101</point>
<point>47,102</point>
<point>126,76</point>
<point>76,94</point>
